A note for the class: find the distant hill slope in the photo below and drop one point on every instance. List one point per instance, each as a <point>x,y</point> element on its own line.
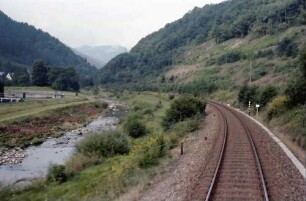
<point>21,44</point>
<point>93,61</point>
<point>198,48</point>
<point>99,55</point>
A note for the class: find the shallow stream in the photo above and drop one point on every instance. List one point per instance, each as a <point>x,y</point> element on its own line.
<point>56,150</point>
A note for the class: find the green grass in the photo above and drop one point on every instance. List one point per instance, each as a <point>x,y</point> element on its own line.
<point>18,111</point>
<point>113,176</point>
<point>30,108</point>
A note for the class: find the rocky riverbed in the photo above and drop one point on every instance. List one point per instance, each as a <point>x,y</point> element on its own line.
<point>13,156</point>
<point>19,165</point>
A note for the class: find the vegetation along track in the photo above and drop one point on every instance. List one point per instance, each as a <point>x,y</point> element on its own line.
<point>237,174</point>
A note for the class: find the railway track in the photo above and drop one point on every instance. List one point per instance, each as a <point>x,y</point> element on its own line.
<point>237,174</point>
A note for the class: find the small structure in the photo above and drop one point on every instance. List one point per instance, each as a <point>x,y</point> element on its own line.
<point>9,76</point>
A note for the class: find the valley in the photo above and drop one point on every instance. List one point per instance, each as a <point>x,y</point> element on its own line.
<point>210,106</point>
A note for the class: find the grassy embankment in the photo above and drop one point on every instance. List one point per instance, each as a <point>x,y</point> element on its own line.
<point>222,69</point>
<point>96,177</point>
<point>29,122</point>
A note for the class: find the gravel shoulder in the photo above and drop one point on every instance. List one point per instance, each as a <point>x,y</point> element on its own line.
<point>183,171</point>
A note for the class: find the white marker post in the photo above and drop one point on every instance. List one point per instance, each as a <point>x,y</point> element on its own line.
<point>257,107</point>
<point>249,108</point>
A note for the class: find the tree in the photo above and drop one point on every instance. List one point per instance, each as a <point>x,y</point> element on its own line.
<point>267,94</point>
<point>39,73</point>
<point>1,86</point>
<point>303,62</point>
<point>134,127</point>
<point>72,79</point>
<point>181,109</point>
<point>248,93</point>
<point>296,89</point>
<point>64,79</point>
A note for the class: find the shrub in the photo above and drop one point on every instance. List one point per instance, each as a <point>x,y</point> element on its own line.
<point>277,106</point>
<point>158,105</point>
<point>296,91</point>
<point>37,141</point>
<point>267,94</point>
<point>152,149</point>
<point>230,57</point>
<point>264,53</point>
<point>187,126</point>
<point>106,144</point>
<point>181,109</point>
<point>171,97</point>
<point>56,173</point>
<point>134,128</point>
<point>248,93</point>
<point>288,48</point>
<point>79,162</point>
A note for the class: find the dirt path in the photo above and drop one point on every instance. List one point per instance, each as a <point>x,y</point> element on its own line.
<point>179,177</point>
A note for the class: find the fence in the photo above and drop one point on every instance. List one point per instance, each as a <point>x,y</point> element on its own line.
<point>20,96</point>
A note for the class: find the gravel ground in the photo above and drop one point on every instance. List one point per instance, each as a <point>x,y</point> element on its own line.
<point>179,180</point>
<point>284,181</point>
<point>183,171</point>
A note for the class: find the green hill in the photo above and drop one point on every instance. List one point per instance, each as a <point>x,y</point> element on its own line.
<point>234,52</point>
<point>21,44</point>
<point>214,46</point>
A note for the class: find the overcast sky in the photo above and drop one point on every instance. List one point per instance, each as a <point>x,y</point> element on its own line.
<point>99,22</point>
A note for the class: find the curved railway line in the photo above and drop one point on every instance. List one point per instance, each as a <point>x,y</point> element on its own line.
<point>235,172</point>
<point>232,175</point>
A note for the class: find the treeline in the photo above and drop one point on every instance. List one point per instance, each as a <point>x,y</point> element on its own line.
<point>41,74</point>
<point>21,44</point>
<point>65,79</point>
<point>155,53</point>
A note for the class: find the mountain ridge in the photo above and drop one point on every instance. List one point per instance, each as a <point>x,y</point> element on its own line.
<point>99,55</point>
<point>21,44</point>
<point>154,55</point>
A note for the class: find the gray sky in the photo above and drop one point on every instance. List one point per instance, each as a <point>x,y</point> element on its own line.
<point>99,22</point>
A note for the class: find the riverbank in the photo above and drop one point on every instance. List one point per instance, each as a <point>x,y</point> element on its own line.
<point>25,166</point>
<point>34,129</point>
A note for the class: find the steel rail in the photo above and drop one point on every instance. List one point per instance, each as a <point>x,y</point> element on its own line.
<point>213,181</point>
<point>258,164</point>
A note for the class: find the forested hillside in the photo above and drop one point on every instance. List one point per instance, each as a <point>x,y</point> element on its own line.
<point>21,44</point>
<point>159,52</point>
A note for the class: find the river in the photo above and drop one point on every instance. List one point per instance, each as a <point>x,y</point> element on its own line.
<point>56,150</point>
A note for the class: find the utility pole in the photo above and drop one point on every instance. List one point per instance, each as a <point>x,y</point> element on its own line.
<point>250,70</point>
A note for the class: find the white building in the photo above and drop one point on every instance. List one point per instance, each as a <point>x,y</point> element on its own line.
<point>9,76</point>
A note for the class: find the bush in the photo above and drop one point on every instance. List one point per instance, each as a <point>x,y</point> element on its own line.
<point>296,91</point>
<point>79,162</point>
<point>153,149</point>
<point>171,97</point>
<point>134,127</point>
<point>230,57</point>
<point>158,105</point>
<point>267,94</point>
<point>181,109</point>
<point>248,93</point>
<point>106,144</point>
<point>56,173</point>
<point>37,141</point>
<point>277,106</point>
<point>187,126</point>
<point>264,53</point>
<point>287,47</point>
